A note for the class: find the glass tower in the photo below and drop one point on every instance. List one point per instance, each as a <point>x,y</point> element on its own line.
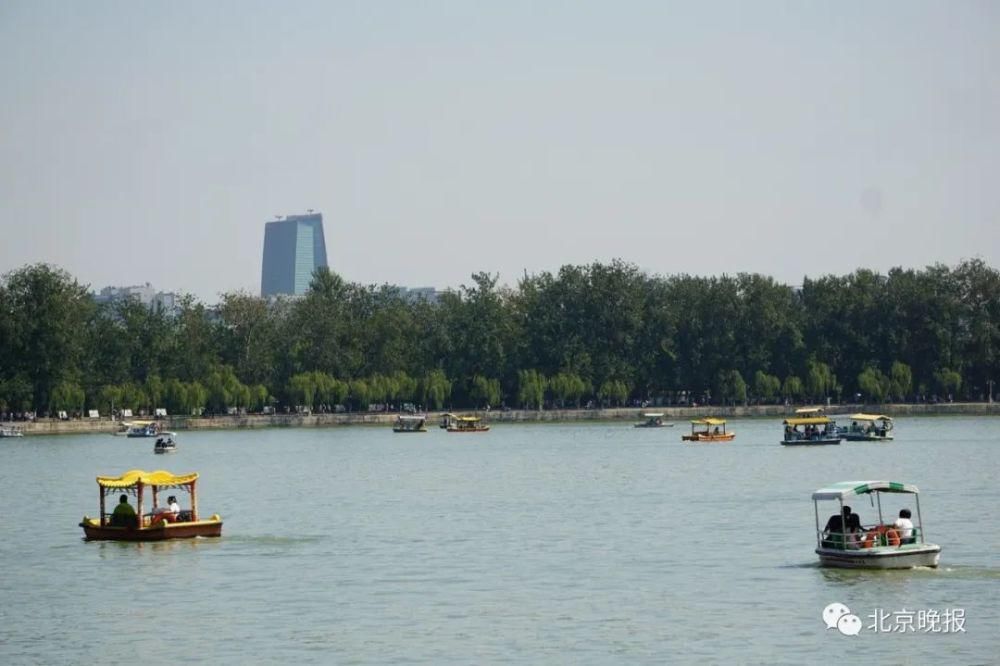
<point>293,249</point>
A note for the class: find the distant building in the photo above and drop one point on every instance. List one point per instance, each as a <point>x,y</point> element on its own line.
<point>163,301</point>
<point>293,248</point>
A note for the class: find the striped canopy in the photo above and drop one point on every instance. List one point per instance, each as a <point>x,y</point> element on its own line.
<point>846,489</point>
<point>709,421</point>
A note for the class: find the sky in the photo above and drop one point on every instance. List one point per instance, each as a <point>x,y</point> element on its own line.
<point>151,141</point>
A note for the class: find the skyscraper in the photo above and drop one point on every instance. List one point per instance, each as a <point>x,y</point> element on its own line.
<point>293,249</point>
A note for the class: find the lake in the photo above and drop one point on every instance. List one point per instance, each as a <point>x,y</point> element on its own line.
<point>541,543</point>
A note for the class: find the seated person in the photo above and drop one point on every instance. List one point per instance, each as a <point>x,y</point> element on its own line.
<point>833,533</point>
<point>904,526</point>
<point>168,513</point>
<point>124,514</point>
<point>854,536</point>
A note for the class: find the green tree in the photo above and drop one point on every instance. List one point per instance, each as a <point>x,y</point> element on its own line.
<point>531,389</point>
<point>874,384</point>
<point>435,388</point>
<point>485,391</point>
<point>901,380</point>
<point>67,396</point>
<point>948,381</point>
<point>731,387</point>
<point>766,387</point>
<point>792,388</point>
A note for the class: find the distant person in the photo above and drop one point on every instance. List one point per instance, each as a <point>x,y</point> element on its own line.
<point>124,514</point>
<point>904,526</point>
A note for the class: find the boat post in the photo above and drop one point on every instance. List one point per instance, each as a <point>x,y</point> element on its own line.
<point>878,498</point>
<point>819,536</point>
<point>920,520</point>
<point>101,491</point>
<point>194,504</point>
<point>138,503</point>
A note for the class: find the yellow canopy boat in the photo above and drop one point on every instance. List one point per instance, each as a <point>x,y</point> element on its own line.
<point>708,430</point>
<point>467,424</point>
<point>160,523</point>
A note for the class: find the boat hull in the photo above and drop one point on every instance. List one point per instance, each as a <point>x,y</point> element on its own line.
<point>93,531</point>
<point>709,438</point>
<point>868,438</point>
<point>409,430</point>
<point>907,557</point>
<point>477,429</point>
<point>810,442</point>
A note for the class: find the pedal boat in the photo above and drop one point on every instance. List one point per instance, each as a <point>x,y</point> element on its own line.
<point>872,428</point>
<point>879,549</point>
<point>410,423</point>
<point>653,420</point>
<point>467,424</point>
<point>153,526</point>
<point>708,430</point>
<point>817,431</point>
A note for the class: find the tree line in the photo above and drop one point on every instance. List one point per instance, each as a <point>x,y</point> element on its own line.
<point>604,333</point>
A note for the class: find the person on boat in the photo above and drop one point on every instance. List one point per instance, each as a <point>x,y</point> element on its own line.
<point>904,525</point>
<point>168,513</point>
<point>854,535</point>
<point>124,514</point>
<point>833,533</point>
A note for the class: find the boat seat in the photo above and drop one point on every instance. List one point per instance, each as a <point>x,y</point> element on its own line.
<point>184,517</point>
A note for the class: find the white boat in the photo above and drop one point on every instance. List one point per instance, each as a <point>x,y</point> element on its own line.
<point>11,431</point>
<point>653,420</point>
<point>881,545</point>
<point>410,423</point>
<point>868,428</point>
<point>142,429</point>
<point>165,443</point>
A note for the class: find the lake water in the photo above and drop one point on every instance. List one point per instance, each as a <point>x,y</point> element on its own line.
<point>558,543</point>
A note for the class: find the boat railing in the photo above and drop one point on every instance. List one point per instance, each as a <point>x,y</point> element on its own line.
<point>874,534</point>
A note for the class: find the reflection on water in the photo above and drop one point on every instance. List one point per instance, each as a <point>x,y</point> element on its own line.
<point>582,543</point>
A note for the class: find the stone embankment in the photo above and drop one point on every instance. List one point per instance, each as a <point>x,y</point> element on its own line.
<point>105,425</point>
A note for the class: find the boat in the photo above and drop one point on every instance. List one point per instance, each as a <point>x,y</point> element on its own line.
<point>467,424</point>
<point>868,428</point>
<point>165,443</point>
<point>653,420</point>
<point>11,431</point>
<point>446,420</point>
<point>708,430</point>
<point>153,526</point>
<point>880,545</point>
<point>816,431</point>
<point>142,429</point>
<point>410,423</point>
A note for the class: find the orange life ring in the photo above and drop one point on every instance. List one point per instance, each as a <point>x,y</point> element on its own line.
<point>892,536</point>
<point>870,539</point>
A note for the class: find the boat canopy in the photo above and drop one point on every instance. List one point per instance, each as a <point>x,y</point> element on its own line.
<point>846,489</point>
<point>133,477</point>
<point>870,417</point>
<point>411,417</point>
<point>807,411</point>
<point>652,415</point>
<point>812,420</point>
<point>709,421</point>
<point>468,419</point>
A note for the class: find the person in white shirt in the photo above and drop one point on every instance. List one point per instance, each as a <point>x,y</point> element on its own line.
<point>904,526</point>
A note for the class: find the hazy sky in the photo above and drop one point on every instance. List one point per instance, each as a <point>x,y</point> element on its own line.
<point>144,141</point>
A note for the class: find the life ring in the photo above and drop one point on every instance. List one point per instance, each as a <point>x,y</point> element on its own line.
<point>870,539</point>
<point>892,536</point>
